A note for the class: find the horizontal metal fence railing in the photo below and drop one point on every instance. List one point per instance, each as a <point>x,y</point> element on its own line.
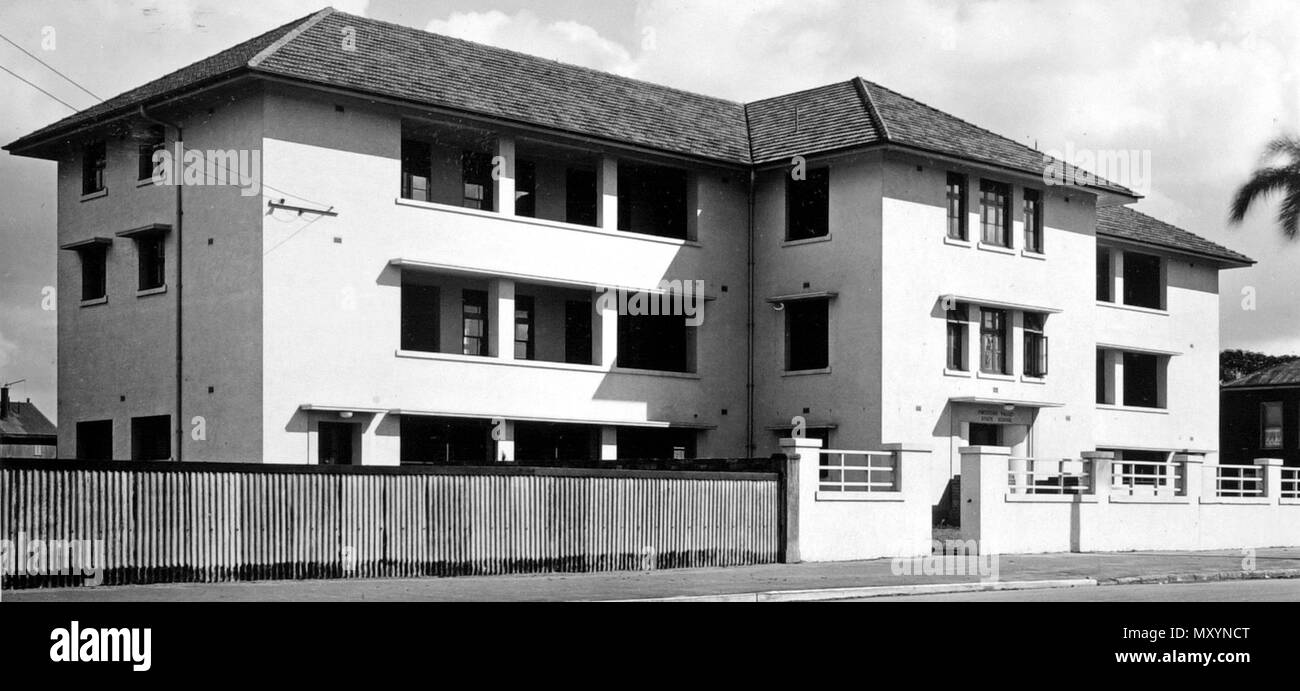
<point>1156,478</point>
<point>856,471</point>
<point>157,522</point>
<point>1290,483</point>
<point>1239,481</point>
<point>1048,476</point>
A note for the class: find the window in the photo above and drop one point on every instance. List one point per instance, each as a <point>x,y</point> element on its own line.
<point>993,341</point>
<point>1033,221</point>
<point>95,440</point>
<point>153,141</point>
<point>525,335</point>
<point>1035,345</point>
<point>807,334</point>
<point>639,443</point>
<point>807,205</point>
<point>551,442</point>
<point>151,438</point>
<point>334,443</point>
<point>420,317</point>
<point>957,213</point>
<point>1143,281</point>
<point>151,254</point>
<point>577,332</point>
<point>1103,275</point>
<point>655,342</point>
<point>526,189</point>
<point>652,200</point>
<point>476,174</point>
<point>1103,379</point>
<point>1270,415</point>
<point>94,271</point>
<point>474,325</point>
<point>580,196</point>
<point>417,170</point>
<point>957,329</point>
<point>444,441</point>
<point>93,162</point>
<point>994,219</point>
<point>1142,380</point>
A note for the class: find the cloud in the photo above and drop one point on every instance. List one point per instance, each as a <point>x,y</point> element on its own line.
<point>567,41</point>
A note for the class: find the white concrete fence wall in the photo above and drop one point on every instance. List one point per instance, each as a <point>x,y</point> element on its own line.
<point>1101,504</point>
<point>869,504</point>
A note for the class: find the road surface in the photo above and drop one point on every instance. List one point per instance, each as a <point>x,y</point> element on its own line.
<point>1258,590</point>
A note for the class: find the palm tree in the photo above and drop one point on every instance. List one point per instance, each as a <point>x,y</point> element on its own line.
<point>1283,177</point>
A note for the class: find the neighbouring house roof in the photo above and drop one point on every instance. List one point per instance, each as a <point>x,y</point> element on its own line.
<point>1285,374</point>
<point>25,420</point>
<point>1123,223</point>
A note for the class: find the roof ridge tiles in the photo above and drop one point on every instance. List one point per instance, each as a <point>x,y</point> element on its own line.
<point>302,26</point>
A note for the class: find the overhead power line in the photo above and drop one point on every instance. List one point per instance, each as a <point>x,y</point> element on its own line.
<point>19,77</point>
<point>70,80</point>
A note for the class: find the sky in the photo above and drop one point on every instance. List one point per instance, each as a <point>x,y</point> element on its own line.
<point>1196,88</point>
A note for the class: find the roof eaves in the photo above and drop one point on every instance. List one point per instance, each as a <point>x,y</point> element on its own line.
<point>1227,256</point>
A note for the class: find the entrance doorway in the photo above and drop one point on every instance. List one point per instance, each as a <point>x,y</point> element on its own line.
<point>984,434</point>
<point>334,444</point>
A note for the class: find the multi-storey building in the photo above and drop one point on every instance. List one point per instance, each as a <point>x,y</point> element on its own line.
<point>420,276</point>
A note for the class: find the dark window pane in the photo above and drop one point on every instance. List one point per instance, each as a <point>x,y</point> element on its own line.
<point>526,189</point>
<point>94,262</point>
<point>151,438</point>
<point>957,206</point>
<point>580,197</point>
<point>153,141</point>
<point>420,317</point>
<point>994,220</point>
<point>1141,380</point>
<point>577,332</point>
<point>636,443</point>
<point>957,329</point>
<point>95,440</point>
<point>476,173</point>
<point>1033,221</point>
<point>993,341</point>
<point>524,335</point>
<point>93,164</point>
<point>652,200</point>
<point>808,205</point>
<point>444,441</point>
<point>152,257</point>
<point>1103,274</point>
<point>653,342</point>
<point>417,169</point>
<point>1142,281</point>
<point>807,334</point>
<point>1103,377</point>
<point>474,324</point>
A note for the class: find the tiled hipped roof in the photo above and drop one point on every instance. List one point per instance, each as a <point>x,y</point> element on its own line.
<point>1124,223</point>
<point>408,65</point>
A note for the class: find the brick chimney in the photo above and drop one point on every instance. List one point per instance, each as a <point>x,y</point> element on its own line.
<point>4,402</point>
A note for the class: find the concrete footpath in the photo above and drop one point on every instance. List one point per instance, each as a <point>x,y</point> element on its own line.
<point>771,583</point>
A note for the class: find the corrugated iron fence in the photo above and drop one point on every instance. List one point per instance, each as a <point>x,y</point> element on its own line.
<point>229,522</point>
